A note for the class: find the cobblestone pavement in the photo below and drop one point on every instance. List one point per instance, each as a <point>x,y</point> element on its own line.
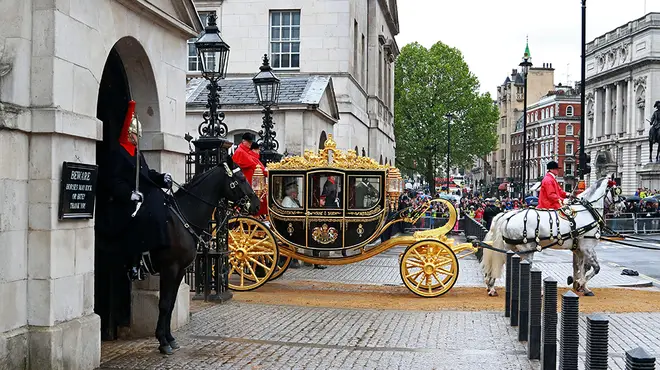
<point>383,269</point>
<point>248,336</point>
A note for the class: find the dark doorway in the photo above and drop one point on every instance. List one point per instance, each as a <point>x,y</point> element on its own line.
<point>322,140</point>
<point>112,289</point>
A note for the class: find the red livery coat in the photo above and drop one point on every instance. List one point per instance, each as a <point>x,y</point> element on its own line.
<point>551,195</point>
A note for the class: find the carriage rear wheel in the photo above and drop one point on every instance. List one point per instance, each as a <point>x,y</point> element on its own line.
<point>429,268</point>
<point>282,265</point>
<point>253,253</point>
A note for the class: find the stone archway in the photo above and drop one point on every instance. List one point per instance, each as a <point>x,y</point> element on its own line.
<point>127,75</point>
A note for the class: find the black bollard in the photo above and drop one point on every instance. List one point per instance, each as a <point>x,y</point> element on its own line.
<point>523,296</point>
<point>638,359</point>
<point>515,286</point>
<point>569,336</point>
<point>507,286</point>
<point>534,341</point>
<point>549,328</point>
<point>597,332</point>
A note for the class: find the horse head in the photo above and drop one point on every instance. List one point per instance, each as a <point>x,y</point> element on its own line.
<point>238,191</point>
<point>596,193</point>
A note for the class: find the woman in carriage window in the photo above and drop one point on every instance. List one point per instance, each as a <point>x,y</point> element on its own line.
<point>291,196</point>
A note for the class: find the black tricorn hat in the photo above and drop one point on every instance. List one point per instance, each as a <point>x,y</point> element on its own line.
<point>552,165</point>
<point>248,136</point>
<point>657,103</point>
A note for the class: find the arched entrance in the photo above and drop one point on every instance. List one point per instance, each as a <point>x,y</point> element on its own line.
<point>322,139</point>
<point>127,75</point>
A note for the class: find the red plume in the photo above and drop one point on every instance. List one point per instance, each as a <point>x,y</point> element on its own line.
<point>123,136</point>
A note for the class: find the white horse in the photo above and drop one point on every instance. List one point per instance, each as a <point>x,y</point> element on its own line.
<point>576,227</point>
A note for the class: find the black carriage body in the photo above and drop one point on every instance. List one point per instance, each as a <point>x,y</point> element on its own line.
<point>333,209</point>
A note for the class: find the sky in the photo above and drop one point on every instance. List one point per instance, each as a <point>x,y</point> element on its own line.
<point>491,33</point>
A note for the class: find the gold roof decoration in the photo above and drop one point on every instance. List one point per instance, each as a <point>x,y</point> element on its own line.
<point>340,159</point>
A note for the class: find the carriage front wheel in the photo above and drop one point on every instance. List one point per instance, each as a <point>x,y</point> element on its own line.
<point>429,268</point>
<point>253,253</point>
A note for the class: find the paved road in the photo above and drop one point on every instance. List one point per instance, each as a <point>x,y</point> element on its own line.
<point>646,262</point>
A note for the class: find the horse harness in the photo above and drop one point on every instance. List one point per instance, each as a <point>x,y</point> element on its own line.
<point>557,239</point>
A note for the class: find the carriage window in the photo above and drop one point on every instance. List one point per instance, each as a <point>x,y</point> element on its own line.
<point>364,192</point>
<point>326,191</point>
<point>288,190</point>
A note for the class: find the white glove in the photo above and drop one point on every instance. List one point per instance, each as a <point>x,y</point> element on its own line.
<point>136,196</point>
<point>167,178</point>
<point>565,201</point>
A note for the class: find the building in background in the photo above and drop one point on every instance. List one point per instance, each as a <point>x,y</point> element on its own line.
<point>553,126</point>
<point>510,101</point>
<point>621,87</point>
<point>341,53</point>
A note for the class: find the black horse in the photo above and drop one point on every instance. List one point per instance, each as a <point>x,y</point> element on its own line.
<point>189,212</point>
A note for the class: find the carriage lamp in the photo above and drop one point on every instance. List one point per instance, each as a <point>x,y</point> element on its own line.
<point>258,181</point>
<point>394,184</point>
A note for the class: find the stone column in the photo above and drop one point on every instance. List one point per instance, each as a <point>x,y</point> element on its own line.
<point>630,124</point>
<point>618,127</point>
<point>596,130</point>
<point>608,110</point>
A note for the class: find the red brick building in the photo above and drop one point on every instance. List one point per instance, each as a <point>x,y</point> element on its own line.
<point>553,127</point>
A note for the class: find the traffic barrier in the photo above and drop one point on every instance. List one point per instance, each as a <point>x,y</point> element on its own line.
<point>534,342</point>
<point>523,296</point>
<point>507,286</point>
<point>597,332</point>
<point>515,286</point>
<point>549,327</point>
<point>569,336</point>
<point>639,359</point>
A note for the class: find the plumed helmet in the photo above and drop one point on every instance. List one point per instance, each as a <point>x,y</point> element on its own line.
<point>552,165</point>
<point>135,127</point>
<point>657,103</point>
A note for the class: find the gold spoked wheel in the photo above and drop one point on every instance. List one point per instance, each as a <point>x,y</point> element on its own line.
<point>282,264</point>
<point>429,268</point>
<point>253,253</point>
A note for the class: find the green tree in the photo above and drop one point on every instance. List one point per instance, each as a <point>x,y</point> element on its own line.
<point>429,84</point>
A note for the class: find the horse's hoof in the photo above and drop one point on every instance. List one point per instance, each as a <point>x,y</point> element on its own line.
<point>493,294</point>
<point>174,344</point>
<point>166,349</point>
<point>589,294</point>
<point>569,280</point>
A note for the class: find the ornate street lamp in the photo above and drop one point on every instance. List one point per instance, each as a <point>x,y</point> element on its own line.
<point>526,64</point>
<point>267,88</point>
<point>211,149</point>
<point>213,54</point>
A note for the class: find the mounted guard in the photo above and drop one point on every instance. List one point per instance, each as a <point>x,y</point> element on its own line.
<point>136,218</point>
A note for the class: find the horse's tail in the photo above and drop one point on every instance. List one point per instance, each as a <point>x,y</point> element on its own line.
<point>492,261</point>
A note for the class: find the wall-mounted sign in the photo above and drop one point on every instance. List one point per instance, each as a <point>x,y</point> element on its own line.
<point>77,191</point>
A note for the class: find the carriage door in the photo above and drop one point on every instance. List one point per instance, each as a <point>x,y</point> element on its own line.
<point>325,204</point>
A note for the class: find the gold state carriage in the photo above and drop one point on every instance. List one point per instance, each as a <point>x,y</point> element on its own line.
<point>330,208</point>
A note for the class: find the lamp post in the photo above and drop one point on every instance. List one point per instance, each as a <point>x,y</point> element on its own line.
<point>211,149</point>
<point>267,87</point>
<point>582,156</point>
<point>525,64</point>
<point>449,117</point>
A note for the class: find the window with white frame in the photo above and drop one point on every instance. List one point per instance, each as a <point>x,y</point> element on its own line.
<point>568,169</point>
<point>569,148</point>
<point>569,129</point>
<point>285,39</point>
<point>194,64</point>
<point>569,111</point>
<point>552,111</point>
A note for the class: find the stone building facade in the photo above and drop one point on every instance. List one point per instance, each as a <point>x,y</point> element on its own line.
<point>60,102</point>
<point>622,83</point>
<point>553,127</point>
<point>350,41</point>
<point>510,100</point>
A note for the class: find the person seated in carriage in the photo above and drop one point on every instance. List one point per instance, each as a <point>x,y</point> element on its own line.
<point>551,196</point>
<point>290,199</point>
<point>147,229</point>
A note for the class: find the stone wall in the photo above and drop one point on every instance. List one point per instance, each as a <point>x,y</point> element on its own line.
<point>55,52</point>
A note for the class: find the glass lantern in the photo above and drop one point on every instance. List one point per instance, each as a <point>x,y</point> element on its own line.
<point>259,181</point>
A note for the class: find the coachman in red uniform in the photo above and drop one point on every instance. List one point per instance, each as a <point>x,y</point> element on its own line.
<point>551,195</point>
<point>246,156</point>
